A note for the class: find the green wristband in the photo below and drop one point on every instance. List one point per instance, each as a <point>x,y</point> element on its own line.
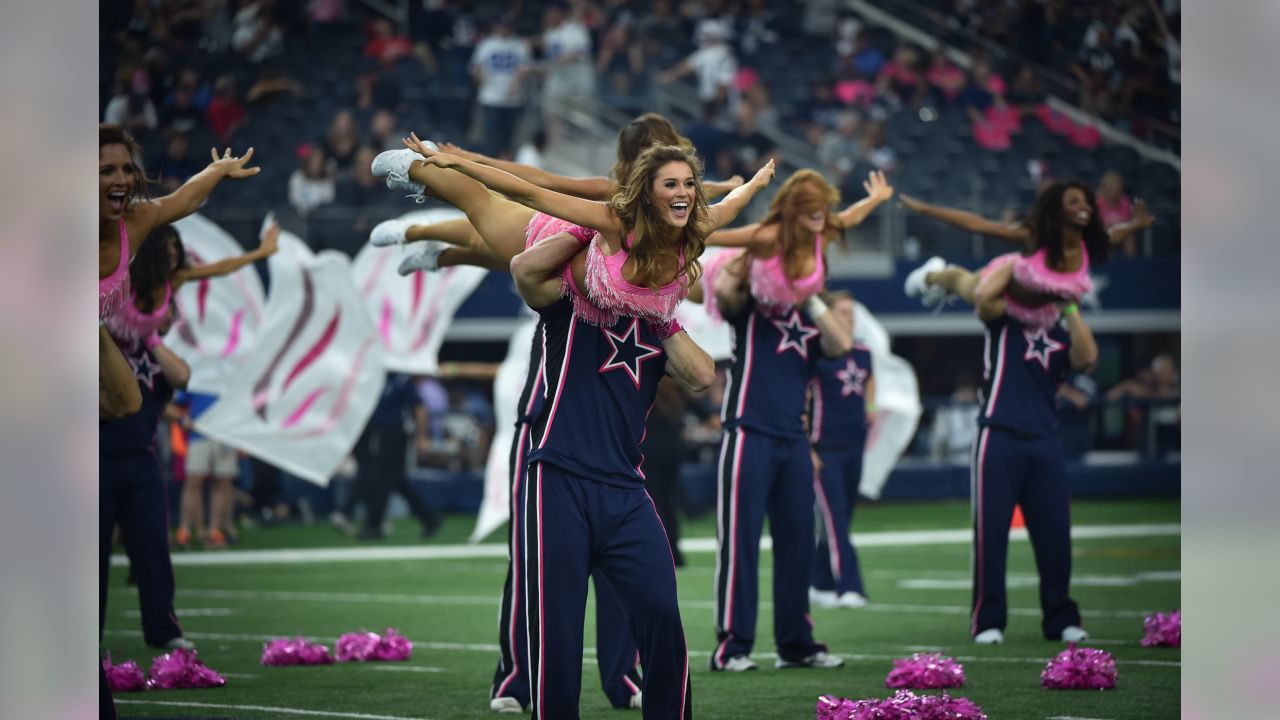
<point>1071,309</point>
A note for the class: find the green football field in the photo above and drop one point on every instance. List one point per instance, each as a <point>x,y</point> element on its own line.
<point>1127,564</point>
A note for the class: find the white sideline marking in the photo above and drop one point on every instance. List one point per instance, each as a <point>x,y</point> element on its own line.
<point>693,545</point>
<point>1071,717</point>
<point>491,648</point>
<point>468,600</point>
<point>266,709</point>
<point>1023,580</point>
<point>407,668</point>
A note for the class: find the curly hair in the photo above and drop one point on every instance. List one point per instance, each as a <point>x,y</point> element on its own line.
<point>1047,224</point>
<point>803,192</point>
<point>151,268</point>
<point>644,131</point>
<point>112,134</point>
<point>647,237</point>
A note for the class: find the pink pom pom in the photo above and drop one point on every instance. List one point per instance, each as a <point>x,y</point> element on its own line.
<point>925,671</point>
<point>904,705</point>
<point>125,677</point>
<point>1163,630</point>
<point>369,646</point>
<point>1080,669</point>
<point>284,652</point>
<point>180,670</point>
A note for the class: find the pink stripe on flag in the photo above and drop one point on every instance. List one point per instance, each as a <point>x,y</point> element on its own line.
<point>302,409</point>
<point>233,337</point>
<point>316,350</point>
<point>384,322</point>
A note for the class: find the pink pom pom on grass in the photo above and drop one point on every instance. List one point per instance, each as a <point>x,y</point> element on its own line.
<point>925,671</point>
<point>283,652</point>
<point>125,677</point>
<point>369,646</point>
<point>1080,669</point>
<point>1163,630</point>
<point>904,705</point>
<point>181,670</point>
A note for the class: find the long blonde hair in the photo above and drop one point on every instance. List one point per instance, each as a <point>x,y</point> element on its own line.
<point>802,193</point>
<point>646,236</point>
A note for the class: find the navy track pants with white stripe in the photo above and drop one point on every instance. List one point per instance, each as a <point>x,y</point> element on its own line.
<point>762,473</point>
<point>574,526</point>
<point>835,562</point>
<point>1011,469</point>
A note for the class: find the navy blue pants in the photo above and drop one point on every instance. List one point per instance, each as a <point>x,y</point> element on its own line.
<point>616,651</point>
<point>760,473</point>
<point>131,493</point>
<point>835,563</point>
<point>573,526</point>
<point>1011,469</point>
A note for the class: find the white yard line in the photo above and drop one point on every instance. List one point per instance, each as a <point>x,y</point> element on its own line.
<point>693,545</point>
<point>266,709</point>
<point>493,648</point>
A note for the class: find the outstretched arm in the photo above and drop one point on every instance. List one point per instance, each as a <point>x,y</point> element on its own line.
<point>594,188</point>
<point>270,243</point>
<point>751,236</point>
<point>878,192</point>
<point>1141,220</point>
<point>537,269</point>
<point>725,211</point>
<point>716,188</point>
<point>971,222</point>
<point>186,199</point>
<point>837,338</point>
<point>687,363</point>
<point>587,213</point>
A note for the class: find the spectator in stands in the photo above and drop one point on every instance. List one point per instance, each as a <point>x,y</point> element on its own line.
<point>979,92</point>
<point>656,32</point>
<point>867,58</point>
<point>184,108</point>
<point>132,108</point>
<point>226,115</point>
<point>176,165</point>
<point>956,424</point>
<point>499,66</point>
<point>384,131</point>
<point>754,31</point>
<point>1114,206</point>
<point>1026,94</point>
<point>365,194</point>
<point>620,66</point>
<point>756,96</point>
<point>312,184</point>
<point>257,36</point>
<point>1150,396</point>
<point>876,150</point>
<point>712,141</point>
<point>751,148</point>
<point>841,149</point>
<point>570,78</point>
<point>900,80</point>
<point>342,141</point>
<point>946,80</point>
<point>1098,69</point>
<point>273,85</point>
<point>384,45</point>
<point>821,108</point>
<point>713,62</point>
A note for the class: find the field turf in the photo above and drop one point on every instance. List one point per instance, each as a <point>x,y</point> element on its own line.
<point>919,592</point>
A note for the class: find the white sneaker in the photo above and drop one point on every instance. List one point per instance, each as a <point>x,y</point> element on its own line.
<point>341,522</point>
<point>821,660</point>
<point>394,166</point>
<point>1074,634</point>
<point>917,285</point>
<point>737,663</point>
<point>637,701</point>
<point>823,598</point>
<point>425,260</point>
<point>180,643</point>
<point>388,233</point>
<point>852,599</point>
<point>506,706</point>
<point>990,636</point>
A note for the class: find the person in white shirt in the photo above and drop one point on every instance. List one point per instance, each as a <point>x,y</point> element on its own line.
<point>570,78</point>
<point>499,66</point>
<point>713,62</point>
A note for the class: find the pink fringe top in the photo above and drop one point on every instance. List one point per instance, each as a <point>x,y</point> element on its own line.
<point>607,295</point>
<point>127,322</point>
<point>770,286</point>
<point>113,288</point>
<point>1031,272</point>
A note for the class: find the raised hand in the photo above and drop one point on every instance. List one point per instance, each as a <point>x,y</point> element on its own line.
<point>763,176</point>
<point>233,166</point>
<point>430,152</point>
<point>452,149</point>
<point>877,187</point>
<point>910,203</point>
<point>270,239</point>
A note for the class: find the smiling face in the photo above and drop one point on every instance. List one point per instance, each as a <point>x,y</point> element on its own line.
<point>117,180</point>
<point>1075,207</point>
<point>673,192</point>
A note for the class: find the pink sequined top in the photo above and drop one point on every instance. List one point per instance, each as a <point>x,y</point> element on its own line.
<point>130,323</point>
<point>1031,272</point>
<point>771,287</point>
<point>113,288</point>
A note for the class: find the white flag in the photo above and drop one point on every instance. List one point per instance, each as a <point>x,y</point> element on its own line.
<point>303,397</point>
<point>218,318</point>
<point>412,314</point>
<point>507,386</point>
<point>897,404</point>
